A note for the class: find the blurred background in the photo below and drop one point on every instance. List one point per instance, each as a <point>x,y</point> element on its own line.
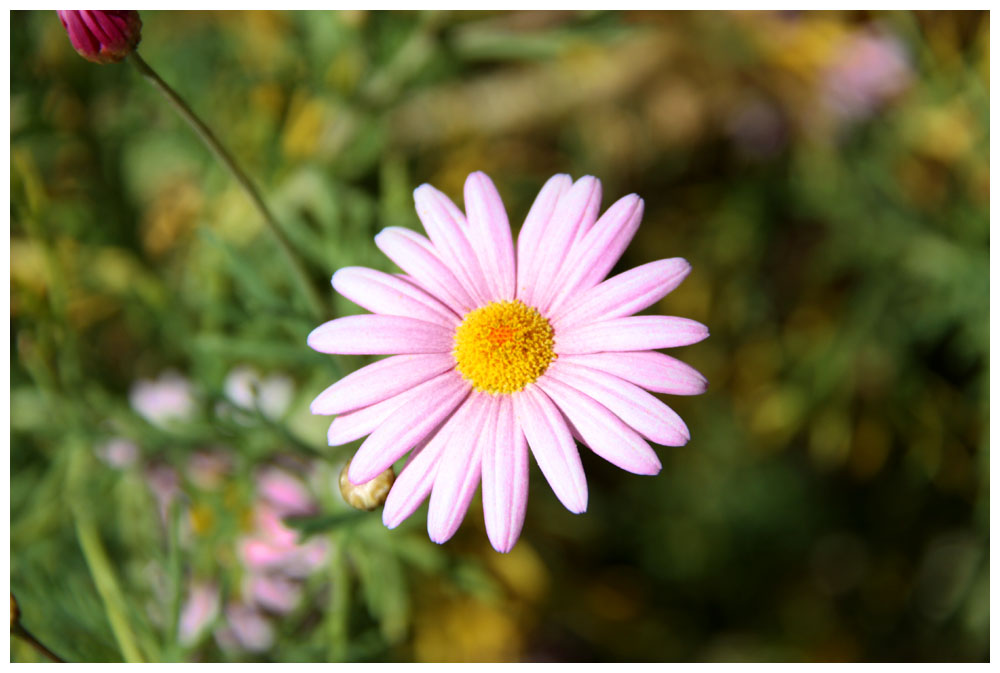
<point>826,174</point>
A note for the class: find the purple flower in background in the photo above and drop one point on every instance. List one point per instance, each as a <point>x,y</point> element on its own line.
<point>102,36</point>
<point>502,349</point>
<point>866,71</point>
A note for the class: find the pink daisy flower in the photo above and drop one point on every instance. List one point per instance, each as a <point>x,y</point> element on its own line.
<point>497,351</point>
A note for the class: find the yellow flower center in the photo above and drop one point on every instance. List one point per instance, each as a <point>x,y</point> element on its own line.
<point>503,346</point>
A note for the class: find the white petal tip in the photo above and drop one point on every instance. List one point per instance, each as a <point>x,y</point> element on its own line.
<point>503,546</point>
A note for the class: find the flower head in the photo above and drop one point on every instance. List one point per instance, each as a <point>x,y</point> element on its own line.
<point>102,36</point>
<point>497,351</point>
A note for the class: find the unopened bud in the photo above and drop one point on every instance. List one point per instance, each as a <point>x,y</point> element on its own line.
<point>368,495</point>
<point>102,36</point>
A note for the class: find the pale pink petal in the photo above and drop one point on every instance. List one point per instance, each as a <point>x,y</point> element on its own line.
<point>259,554</point>
<point>624,294</point>
<point>446,226</point>
<point>356,424</point>
<point>575,213</point>
<point>649,369</point>
<point>380,335</point>
<point>423,409</point>
<point>198,612</point>
<point>505,479</point>
<point>416,479</point>
<point>602,431</point>
<point>414,254</point>
<point>532,236</point>
<point>591,258</point>
<point>250,628</point>
<point>380,381</point>
<point>650,417</point>
<point>634,333</point>
<point>553,446</point>
<point>386,294</point>
<point>460,467</point>
<point>489,233</point>
<point>273,592</point>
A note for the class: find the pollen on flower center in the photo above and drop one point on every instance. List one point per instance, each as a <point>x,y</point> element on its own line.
<point>503,346</point>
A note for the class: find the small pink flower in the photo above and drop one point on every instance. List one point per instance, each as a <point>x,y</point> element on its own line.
<point>164,400</point>
<point>866,71</point>
<point>102,36</point>
<point>274,547</point>
<point>500,349</point>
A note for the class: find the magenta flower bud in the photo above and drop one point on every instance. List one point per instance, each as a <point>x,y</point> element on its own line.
<point>102,36</point>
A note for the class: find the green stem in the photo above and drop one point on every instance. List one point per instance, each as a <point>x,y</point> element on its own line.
<point>340,600</point>
<point>107,587</point>
<point>170,648</point>
<point>302,278</point>
<point>19,630</point>
<point>99,564</point>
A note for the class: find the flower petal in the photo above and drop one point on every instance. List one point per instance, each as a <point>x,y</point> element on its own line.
<point>576,213</point>
<point>459,469</point>
<point>489,233</point>
<point>634,333</point>
<point>423,409</point>
<point>415,255</point>
<point>649,369</point>
<point>534,231</point>
<point>379,381</point>
<point>591,258</point>
<point>650,417</point>
<point>446,226</point>
<point>356,424</point>
<point>505,479</point>
<point>389,295</point>
<point>414,483</point>
<point>624,294</point>
<point>380,335</point>
<point>601,430</point>
<point>553,446</point>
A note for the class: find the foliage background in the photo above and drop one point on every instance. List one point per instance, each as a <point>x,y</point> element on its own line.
<point>833,502</point>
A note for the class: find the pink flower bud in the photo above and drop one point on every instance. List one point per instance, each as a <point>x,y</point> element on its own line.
<point>102,36</point>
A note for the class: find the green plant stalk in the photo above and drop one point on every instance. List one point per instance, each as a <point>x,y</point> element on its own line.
<point>340,600</point>
<point>107,586</point>
<point>170,649</point>
<point>98,563</point>
<point>316,304</point>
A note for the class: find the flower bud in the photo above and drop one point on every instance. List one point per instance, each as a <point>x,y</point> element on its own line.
<point>102,36</point>
<point>368,495</point>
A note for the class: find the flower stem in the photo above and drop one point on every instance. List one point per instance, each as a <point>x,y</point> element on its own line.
<point>302,278</point>
<point>24,633</point>
<point>98,563</point>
